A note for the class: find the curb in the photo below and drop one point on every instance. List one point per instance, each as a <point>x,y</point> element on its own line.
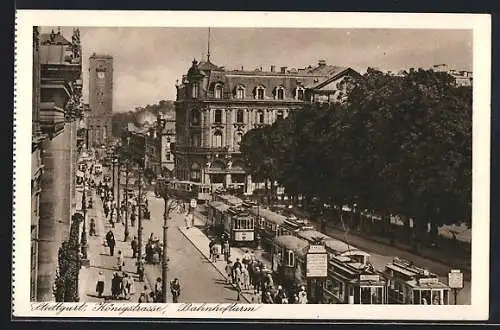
<point>220,272</point>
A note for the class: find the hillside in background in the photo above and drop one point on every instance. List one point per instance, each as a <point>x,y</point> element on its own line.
<point>141,114</point>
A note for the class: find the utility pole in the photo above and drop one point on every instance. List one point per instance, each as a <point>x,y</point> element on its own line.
<point>126,202</point>
<point>139,230</point>
<point>118,210</point>
<point>164,265</point>
<point>84,229</point>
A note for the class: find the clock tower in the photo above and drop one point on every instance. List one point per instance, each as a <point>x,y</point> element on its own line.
<point>100,99</point>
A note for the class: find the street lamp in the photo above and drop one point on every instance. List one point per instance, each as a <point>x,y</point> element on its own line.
<point>169,204</point>
<point>126,202</point>
<point>140,266</point>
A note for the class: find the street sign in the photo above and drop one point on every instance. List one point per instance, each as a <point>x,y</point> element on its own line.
<point>193,203</point>
<point>317,261</point>
<point>455,279</point>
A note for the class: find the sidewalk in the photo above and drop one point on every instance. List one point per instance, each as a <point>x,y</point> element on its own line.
<point>100,260</point>
<point>200,241</point>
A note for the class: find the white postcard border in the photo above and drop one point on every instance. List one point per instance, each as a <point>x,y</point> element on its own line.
<point>479,23</point>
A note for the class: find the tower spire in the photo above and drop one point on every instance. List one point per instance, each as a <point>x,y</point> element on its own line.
<point>208,46</point>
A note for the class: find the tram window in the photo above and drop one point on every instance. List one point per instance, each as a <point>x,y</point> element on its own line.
<point>377,295</point>
<point>436,297</point>
<point>425,298</point>
<point>416,297</point>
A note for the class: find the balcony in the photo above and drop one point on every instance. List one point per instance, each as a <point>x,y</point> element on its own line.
<point>205,150</point>
<point>51,118</point>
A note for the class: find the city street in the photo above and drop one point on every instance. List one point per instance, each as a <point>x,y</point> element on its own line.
<point>200,281</point>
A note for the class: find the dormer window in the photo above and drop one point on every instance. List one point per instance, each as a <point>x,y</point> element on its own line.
<point>218,91</point>
<point>259,93</point>
<point>299,93</point>
<point>195,90</point>
<point>240,92</point>
<point>279,93</point>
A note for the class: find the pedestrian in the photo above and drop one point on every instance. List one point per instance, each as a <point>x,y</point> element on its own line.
<point>267,297</point>
<point>175,289</point>
<point>134,245</point>
<point>229,271</point>
<point>158,290</point>
<point>246,258</point>
<point>120,260</point>
<point>132,218</point>
<point>144,296</point>
<point>115,286</point>
<point>258,280</point>
<point>126,285</point>
<point>110,239</point>
<point>227,250</point>
<point>302,295</point>
<point>245,277</point>
<point>210,246</point>
<point>100,284</point>
<point>280,295</point>
<point>92,231</point>
<point>214,253</point>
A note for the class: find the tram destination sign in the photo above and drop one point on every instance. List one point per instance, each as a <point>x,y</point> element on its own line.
<point>317,261</point>
<point>455,279</point>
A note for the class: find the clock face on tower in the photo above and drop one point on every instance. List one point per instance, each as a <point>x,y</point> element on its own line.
<point>100,75</point>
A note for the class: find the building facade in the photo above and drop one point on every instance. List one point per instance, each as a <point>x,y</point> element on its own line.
<point>215,107</point>
<point>462,77</point>
<point>57,111</point>
<point>100,99</point>
<point>166,135</point>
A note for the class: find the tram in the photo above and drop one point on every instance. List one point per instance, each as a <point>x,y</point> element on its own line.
<point>235,221</point>
<point>188,189</point>
<point>409,284</point>
<point>288,261</point>
<point>335,247</point>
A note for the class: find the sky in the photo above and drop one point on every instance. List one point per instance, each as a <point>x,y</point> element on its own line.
<point>148,61</point>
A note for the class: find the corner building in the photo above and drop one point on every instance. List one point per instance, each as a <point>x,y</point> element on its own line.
<point>215,107</point>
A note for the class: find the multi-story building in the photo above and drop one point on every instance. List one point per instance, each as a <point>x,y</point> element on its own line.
<point>215,107</point>
<point>166,135</point>
<point>100,99</point>
<point>56,113</point>
<point>462,77</point>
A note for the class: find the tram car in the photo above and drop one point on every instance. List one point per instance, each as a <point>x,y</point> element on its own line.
<point>229,199</point>
<point>348,281</point>
<point>288,261</point>
<point>335,247</point>
<point>409,284</point>
<point>187,190</point>
<point>235,221</point>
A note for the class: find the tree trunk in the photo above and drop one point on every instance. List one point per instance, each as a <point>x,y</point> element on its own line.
<point>433,234</point>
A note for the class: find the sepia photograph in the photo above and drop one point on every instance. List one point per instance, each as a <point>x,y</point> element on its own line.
<point>212,165</point>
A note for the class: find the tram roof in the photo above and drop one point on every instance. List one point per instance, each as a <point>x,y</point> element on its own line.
<point>310,235</point>
<point>219,206</point>
<point>293,243</point>
<point>342,247</point>
<point>269,215</point>
<point>231,199</point>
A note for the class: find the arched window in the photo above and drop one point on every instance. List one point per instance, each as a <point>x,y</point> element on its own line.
<point>237,138</point>
<point>279,93</point>
<point>299,93</point>
<point>240,92</point>
<point>260,117</point>
<point>239,116</point>
<point>279,115</point>
<point>259,93</point>
<point>218,116</point>
<point>195,90</point>
<point>195,117</point>
<point>195,172</point>
<point>217,139</point>
<point>218,91</point>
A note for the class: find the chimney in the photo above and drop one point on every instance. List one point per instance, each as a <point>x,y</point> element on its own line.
<point>321,62</point>
<point>273,68</point>
<point>283,69</point>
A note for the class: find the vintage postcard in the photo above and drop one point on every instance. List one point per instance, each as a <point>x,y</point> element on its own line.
<point>210,164</point>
